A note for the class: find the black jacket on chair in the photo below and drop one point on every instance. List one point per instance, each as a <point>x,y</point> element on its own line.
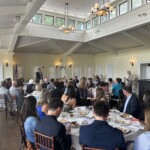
<point>133,106</point>
<point>49,126</point>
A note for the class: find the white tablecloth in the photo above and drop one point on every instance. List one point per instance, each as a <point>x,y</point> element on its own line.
<point>87,116</point>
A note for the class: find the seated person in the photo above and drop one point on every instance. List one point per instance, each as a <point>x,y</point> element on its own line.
<point>143,140</point>
<point>131,105</point>
<point>69,98</point>
<point>30,87</point>
<point>100,134</point>
<point>29,117</point>
<point>56,92</point>
<point>42,109</point>
<point>49,126</point>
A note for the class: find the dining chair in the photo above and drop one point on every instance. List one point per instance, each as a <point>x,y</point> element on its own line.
<point>43,141</point>
<point>15,107</point>
<point>118,101</point>
<point>3,104</point>
<point>89,148</point>
<point>25,144</point>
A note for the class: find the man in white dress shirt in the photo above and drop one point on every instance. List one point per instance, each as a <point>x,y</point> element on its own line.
<point>131,105</point>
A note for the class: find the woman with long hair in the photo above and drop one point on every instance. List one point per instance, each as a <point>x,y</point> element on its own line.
<point>70,97</point>
<point>100,94</point>
<point>29,117</point>
<point>143,140</point>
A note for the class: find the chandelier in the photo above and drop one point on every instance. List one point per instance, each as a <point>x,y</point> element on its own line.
<point>102,10</point>
<point>66,28</point>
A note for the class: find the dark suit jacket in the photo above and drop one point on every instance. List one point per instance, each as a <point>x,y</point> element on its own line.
<point>39,76</point>
<point>133,106</point>
<point>51,127</point>
<point>101,135</point>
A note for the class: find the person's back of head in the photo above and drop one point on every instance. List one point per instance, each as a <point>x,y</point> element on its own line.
<point>71,93</point>
<point>28,108</point>
<point>56,84</point>
<point>4,83</point>
<point>110,80</point>
<point>100,93</point>
<point>55,103</point>
<point>52,80</point>
<point>14,83</point>
<point>101,109</point>
<point>147,119</point>
<point>146,98</point>
<point>127,89</point>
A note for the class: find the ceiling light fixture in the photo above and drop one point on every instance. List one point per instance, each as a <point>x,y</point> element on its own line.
<point>66,28</point>
<point>102,10</point>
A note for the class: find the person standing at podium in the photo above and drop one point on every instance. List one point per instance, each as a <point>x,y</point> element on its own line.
<point>39,75</point>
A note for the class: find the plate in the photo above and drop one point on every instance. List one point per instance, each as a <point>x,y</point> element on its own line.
<point>127,116</point>
<point>74,125</point>
<point>124,130</point>
<point>123,122</point>
<point>84,122</point>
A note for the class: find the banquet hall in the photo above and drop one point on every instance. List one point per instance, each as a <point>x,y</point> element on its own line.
<point>73,38</point>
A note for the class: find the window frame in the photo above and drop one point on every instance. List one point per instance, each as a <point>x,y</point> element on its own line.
<point>49,16</point>
<point>41,18</point>
<point>87,23</point>
<point>122,4</point>
<point>77,25</point>
<point>135,7</point>
<point>60,18</point>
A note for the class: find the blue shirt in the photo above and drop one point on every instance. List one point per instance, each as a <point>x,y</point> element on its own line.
<point>143,141</point>
<point>41,114</point>
<point>30,125</point>
<point>116,88</point>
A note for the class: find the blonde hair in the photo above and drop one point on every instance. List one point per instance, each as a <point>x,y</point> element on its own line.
<point>44,96</point>
<point>147,119</point>
<point>38,87</point>
<point>83,83</point>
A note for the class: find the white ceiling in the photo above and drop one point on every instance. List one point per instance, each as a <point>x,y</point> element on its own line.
<point>127,40</point>
<point>134,38</point>
<point>79,8</point>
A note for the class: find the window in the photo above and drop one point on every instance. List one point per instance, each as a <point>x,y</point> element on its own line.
<point>80,25</point>
<point>103,19</point>
<point>60,21</point>
<point>48,20</point>
<point>136,3</point>
<point>123,8</point>
<point>95,21</point>
<point>88,24</point>
<point>112,14</point>
<point>37,18</point>
<point>71,22</point>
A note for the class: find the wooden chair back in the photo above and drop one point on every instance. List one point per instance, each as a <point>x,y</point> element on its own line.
<point>44,141</point>
<point>23,135</point>
<point>27,145</point>
<point>3,104</point>
<point>89,148</point>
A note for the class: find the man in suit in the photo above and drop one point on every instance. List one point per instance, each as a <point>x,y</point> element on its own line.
<point>49,126</point>
<point>131,105</point>
<point>39,75</point>
<point>100,134</point>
